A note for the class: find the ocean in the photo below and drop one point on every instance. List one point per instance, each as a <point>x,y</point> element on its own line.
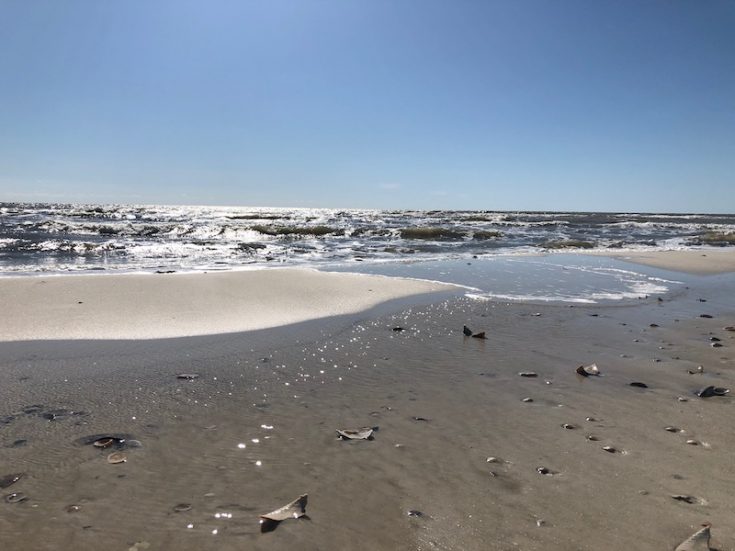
<point>45,239</point>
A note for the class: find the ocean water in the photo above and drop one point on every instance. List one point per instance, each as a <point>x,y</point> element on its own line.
<point>56,239</point>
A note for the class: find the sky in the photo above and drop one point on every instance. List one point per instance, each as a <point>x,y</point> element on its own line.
<point>591,105</point>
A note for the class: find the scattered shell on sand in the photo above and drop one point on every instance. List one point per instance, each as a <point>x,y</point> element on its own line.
<point>117,457</point>
<point>527,400</point>
<point>10,479</point>
<point>710,391</point>
<point>729,328</point>
<point>544,471</point>
<point>365,433</point>
<point>685,499</point>
<point>528,374</point>
<point>103,442</point>
<point>295,509</point>
<point>415,513</point>
<point>639,385</point>
<point>692,442</point>
<point>587,370</point>
<point>698,371</point>
<point>181,507</point>
<point>673,429</point>
<point>706,316</point>
<point>682,399</point>
<point>699,541</point>
<point>568,426</point>
<point>609,449</point>
<point>187,376</point>
<point>15,498</point>
<point>592,419</point>
<point>592,438</point>
<point>73,508</point>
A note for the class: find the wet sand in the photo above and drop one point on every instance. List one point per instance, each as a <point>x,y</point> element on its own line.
<point>700,262</point>
<point>444,403</point>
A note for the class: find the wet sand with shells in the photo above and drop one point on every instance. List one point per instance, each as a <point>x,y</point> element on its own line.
<point>256,429</point>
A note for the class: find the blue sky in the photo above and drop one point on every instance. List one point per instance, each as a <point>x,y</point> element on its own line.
<point>520,104</point>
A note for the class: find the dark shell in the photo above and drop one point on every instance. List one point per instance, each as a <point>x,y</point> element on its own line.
<point>639,385</point>
<point>119,439</point>
<point>182,507</point>
<point>15,498</point>
<point>467,331</point>
<point>710,391</point>
<point>10,479</point>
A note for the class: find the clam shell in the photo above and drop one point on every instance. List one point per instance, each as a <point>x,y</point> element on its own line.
<point>10,479</point>
<point>710,391</point>
<point>182,507</point>
<point>365,433</point>
<point>587,370</point>
<point>103,442</point>
<point>15,498</point>
<point>295,509</point>
<point>528,374</point>
<point>699,541</point>
<point>117,457</point>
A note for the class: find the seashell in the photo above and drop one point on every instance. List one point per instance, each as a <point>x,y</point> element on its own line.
<point>587,370</point>
<point>480,335</point>
<point>673,429</point>
<point>415,513</point>
<point>118,437</point>
<point>10,479</point>
<point>698,371</point>
<point>729,328</point>
<point>699,541</point>
<point>181,507</point>
<point>609,449</point>
<point>692,442</point>
<point>365,433</point>
<point>544,471</point>
<point>710,391</point>
<point>685,499</point>
<point>653,325</point>
<point>15,498</point>
<point>467,331</point>
<point>682,399</point>
<point>707,316</point>
<point>568,426</point>
<point>639,385</point>
<point>295,509</point>
<point>527,400</point>
<point>398,329</point>
<point>103,443</point>
<point>117,457</point>
<point>73,508</point>
<point>187,376</point>
<point>592,420</point>
<point>528,374</point>
<point>592,438</point>
<point>714,339</point>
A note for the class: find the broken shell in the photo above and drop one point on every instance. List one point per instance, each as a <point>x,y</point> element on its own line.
<point>699,541</point>
<point>117,457</point>
<point>710,391</point>
<point>365,433</point>
<point>15,498</point>
<point>587,370</point>
<point>685,499</point>
<point>10,479</point>
<point>295,509</point>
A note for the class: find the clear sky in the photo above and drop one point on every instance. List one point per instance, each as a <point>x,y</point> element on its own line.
<point>517,104</point>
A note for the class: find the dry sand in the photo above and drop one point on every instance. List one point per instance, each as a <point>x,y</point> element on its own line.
<point>700,262</point>
<point>256,430</point>
<point>154,306</point>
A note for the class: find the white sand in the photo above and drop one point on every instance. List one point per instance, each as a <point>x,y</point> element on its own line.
<point>149,306</point>
<point>699,262</point>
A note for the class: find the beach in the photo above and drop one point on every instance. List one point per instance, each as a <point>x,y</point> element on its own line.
<point>467,454</point>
